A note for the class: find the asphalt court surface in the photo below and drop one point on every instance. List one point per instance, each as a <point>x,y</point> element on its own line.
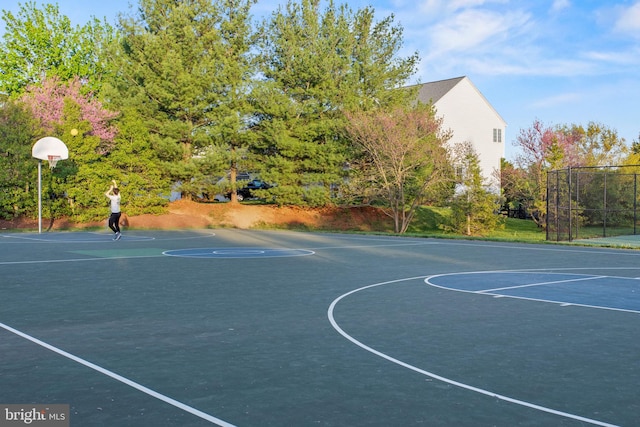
<point>255,328</point>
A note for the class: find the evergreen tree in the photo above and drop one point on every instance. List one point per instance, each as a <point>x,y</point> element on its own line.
<point>184,68</point>
<point>474,207</point>
<point>18,178</point>
<point>232,119</point>
<point>316,65</point>
<point>135,166</point>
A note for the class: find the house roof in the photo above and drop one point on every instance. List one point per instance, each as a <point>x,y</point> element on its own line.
<point>433,91</point>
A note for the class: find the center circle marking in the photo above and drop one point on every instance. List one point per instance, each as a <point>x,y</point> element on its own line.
<point>237,253</point>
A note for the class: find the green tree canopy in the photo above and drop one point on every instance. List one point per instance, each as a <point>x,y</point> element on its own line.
<point>315,65</point>
<point>18,130</point>
<point>184,67</point>
<point>58,108</point>
<point>41,43</point>
<point>474,209</point>
<point>544,148</point>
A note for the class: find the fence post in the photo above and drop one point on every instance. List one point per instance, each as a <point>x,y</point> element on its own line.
<point>635,202</point>
<point>577,203</point>
<point>547,216</point>
<point>569,196</point>
<point>604,207</point>
<point>557,206</point>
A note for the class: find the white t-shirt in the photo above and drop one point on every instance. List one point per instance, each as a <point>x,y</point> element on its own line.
<point>115,203</point>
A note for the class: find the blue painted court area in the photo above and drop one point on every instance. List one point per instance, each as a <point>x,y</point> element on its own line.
<point>597,291</point>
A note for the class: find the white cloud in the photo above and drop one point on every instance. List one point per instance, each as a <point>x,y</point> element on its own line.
<point>614,57</point>
<point>559,99</point>
<point>629,20</point>
<point>529,63</point>
<point>474,29</point>
<point>451,6</point>
<point>559,5</point>
<point>496,38</point>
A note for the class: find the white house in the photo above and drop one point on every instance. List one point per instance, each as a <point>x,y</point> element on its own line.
<point>471,118</point>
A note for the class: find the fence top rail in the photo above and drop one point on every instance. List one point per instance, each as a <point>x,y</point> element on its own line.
<point>602,168</point>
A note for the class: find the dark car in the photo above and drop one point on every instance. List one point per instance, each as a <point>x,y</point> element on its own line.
<point>255,184</point>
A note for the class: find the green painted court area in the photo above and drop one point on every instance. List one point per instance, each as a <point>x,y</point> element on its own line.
<point>120,253</point>
<point>263,328</point>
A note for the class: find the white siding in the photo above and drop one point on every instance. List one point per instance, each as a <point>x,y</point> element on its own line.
<point>471,118</point>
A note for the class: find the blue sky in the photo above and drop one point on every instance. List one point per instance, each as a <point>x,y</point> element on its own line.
<point>559,61</point>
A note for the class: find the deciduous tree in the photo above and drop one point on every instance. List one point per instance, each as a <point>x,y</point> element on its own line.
<point>46,103</point>
<point>40,43</point>
<point>59,107</point>
<point>544,148</point>
<point>405,156</point>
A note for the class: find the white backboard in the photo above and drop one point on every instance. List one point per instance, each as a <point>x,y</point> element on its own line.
<point>49,146</point>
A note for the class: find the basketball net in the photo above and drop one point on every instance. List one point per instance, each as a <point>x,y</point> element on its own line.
<point>53,160</point>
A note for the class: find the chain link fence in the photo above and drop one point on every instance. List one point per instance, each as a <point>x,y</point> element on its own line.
<point>590,202</point>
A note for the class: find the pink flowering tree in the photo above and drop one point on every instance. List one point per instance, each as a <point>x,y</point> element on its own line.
<point>544,148</point>
<point>541,148</point>
<point>59,107</point>
<point>47,101</point>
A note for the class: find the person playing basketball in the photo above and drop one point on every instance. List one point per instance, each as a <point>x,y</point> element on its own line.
<point>114,219</point>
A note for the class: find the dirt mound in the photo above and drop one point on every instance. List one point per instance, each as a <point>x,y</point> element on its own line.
<point>189,214</point>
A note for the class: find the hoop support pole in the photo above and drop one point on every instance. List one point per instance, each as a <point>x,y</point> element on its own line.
<point>39,196</point>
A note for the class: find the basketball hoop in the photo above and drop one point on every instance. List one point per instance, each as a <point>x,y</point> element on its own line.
<point>50,149</point>
<point>53,160</point>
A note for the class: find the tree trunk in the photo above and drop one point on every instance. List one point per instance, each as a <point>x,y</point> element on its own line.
<point>233,176</point>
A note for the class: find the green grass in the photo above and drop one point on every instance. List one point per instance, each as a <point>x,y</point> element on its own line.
<point>520,230</point>
<point>428,219</point>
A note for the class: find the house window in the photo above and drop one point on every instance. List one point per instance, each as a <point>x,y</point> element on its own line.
<point>497,135</point>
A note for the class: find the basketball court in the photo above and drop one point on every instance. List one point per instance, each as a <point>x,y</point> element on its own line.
<point>256,328</point>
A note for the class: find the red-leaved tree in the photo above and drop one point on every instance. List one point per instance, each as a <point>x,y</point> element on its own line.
<point>46,102</point>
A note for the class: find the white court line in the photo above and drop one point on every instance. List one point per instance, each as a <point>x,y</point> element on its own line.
<point>165,255</point>
<point>77,238</point>
<point>47,261</point>
<point>540,284</point>
<point>122,379</point>
<point>240,252</point>
<point>371,246</point>
<point>441,378</point>
<point>30,238</point>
